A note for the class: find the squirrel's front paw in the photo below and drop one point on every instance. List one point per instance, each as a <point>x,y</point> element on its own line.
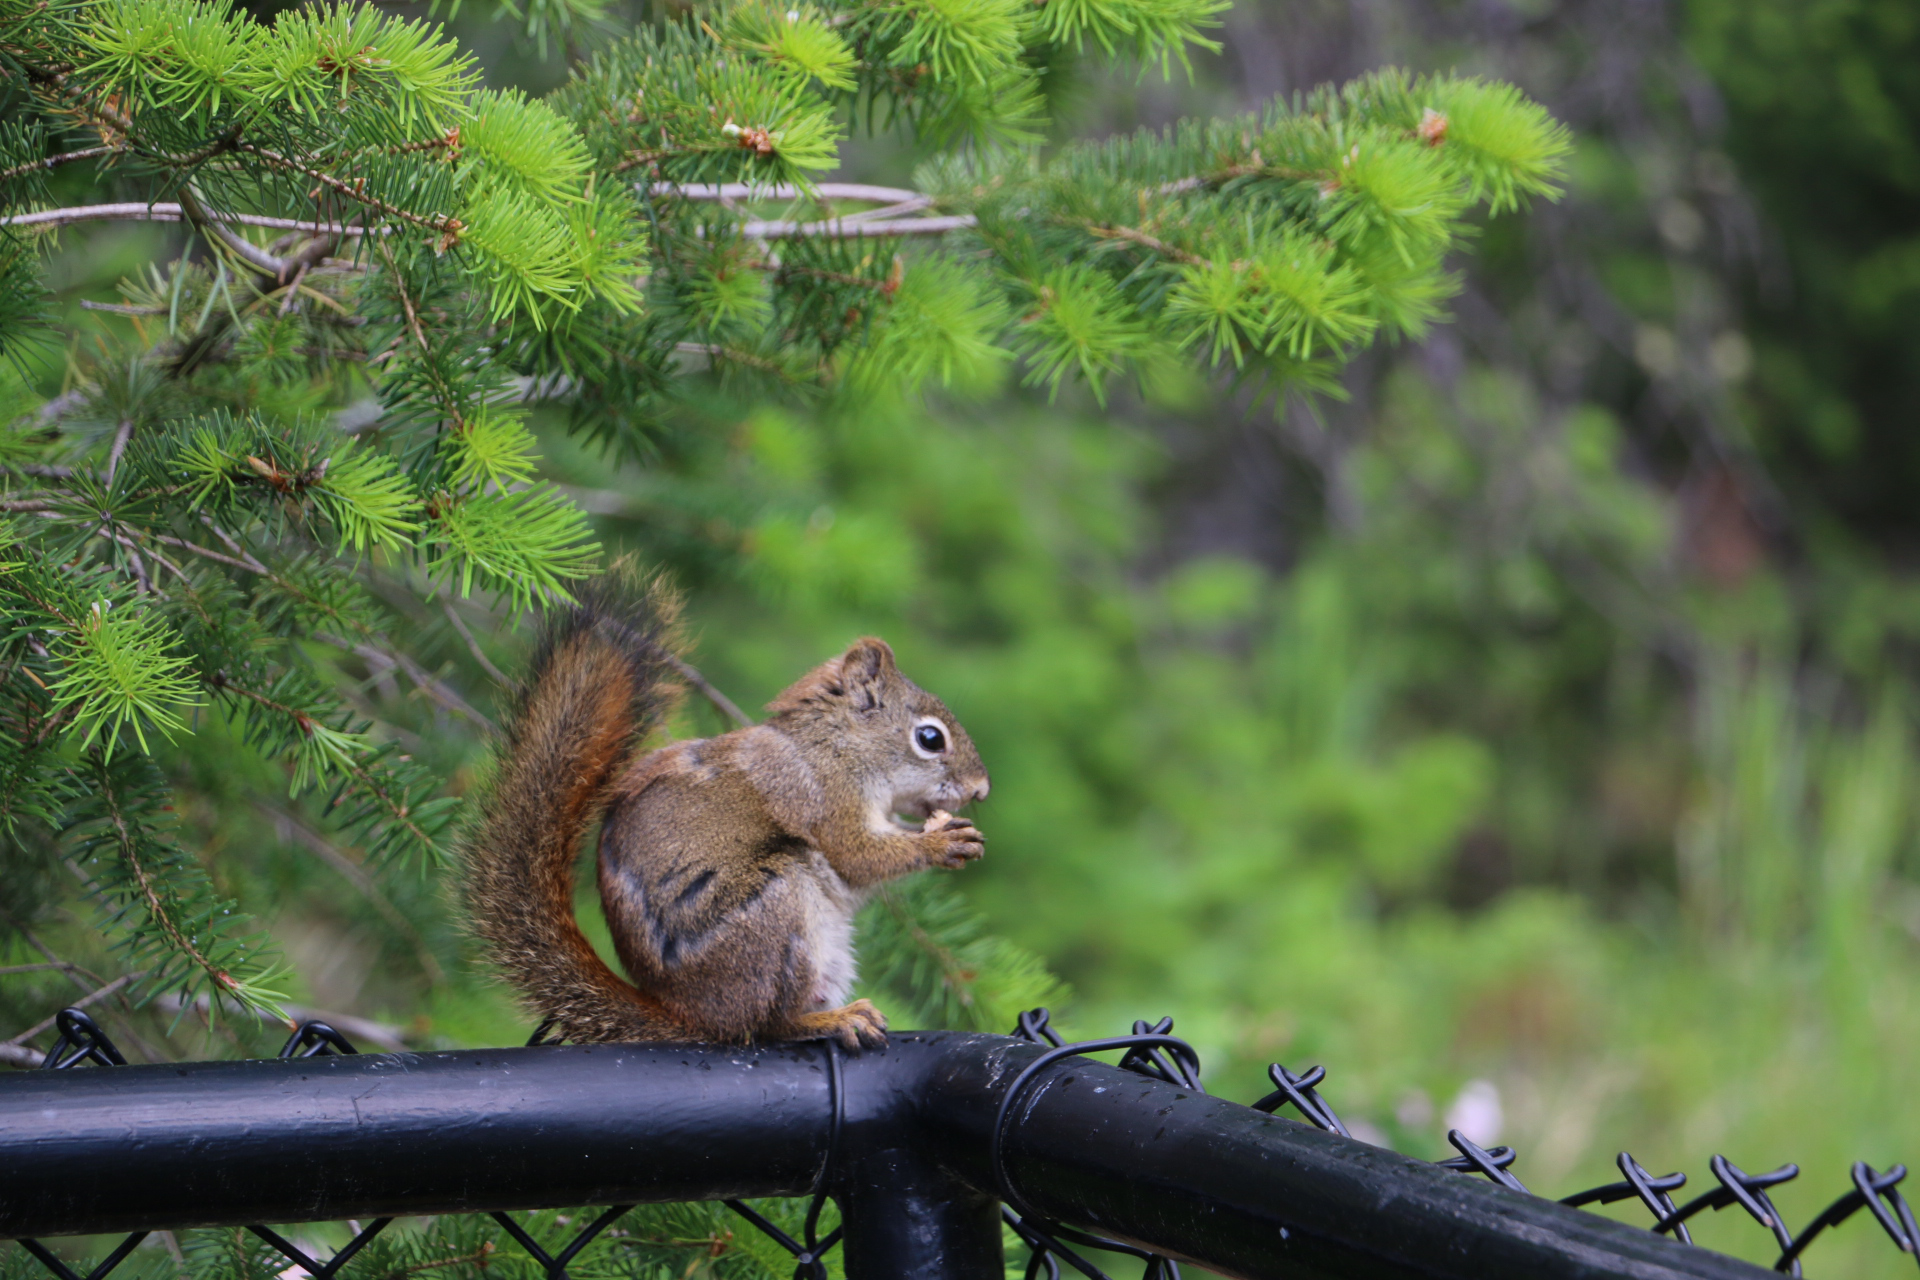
<point>858,1025</point>
<point>865,1026</point>
<point>951,841</point>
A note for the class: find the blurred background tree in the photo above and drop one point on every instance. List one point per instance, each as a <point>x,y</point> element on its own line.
<point>1520,723</point>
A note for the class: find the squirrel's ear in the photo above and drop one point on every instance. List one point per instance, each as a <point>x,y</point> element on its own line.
<point>865,670</point>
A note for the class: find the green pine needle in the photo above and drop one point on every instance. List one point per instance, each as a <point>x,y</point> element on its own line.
<point>369,501</point>
<point>119,669</point>
<point>526,545</point>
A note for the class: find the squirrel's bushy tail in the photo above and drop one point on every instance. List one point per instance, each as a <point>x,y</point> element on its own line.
<point>599,684</point>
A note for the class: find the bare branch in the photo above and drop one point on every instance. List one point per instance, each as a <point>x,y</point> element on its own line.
<point>853,228</point>
<point>379,1034</point>
<point>473,646</point>
<point>60,406</point>
<point>98,994</point>
<point>388,659</point>
<point>215,556</point>
<point>121,308</point>
<point>166,211</point>
<point>713,695</point>
<point>54,162</point>
<point>871,223</point>
<point>297,832</point>
<point>120,438</point>
<point>783,191</point>
<point>245,249</point>
<point>73,971</point>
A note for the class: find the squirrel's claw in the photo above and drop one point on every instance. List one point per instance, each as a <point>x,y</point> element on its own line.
<point>953,841</point>
<point>857,1026</point>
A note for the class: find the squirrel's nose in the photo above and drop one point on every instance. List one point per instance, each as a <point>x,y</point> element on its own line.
<point>979,791</point>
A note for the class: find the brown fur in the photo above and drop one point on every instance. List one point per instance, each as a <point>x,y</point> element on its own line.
<point>729,867</point>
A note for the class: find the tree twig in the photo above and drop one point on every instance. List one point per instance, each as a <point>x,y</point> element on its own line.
<point>379,1034</point>
<point>473,646</point>
<point>1133,235</point>
<point>72,970</point>
<point>786,191</point>
<point>713,695</point>
<point>120,438</point>
<point>356,875</point>
<point>857,229</point>
<point>245,249</point>
<point>167,211</point>
<point>390,659</point>
<point>54,162</point>
<point>98,994</point>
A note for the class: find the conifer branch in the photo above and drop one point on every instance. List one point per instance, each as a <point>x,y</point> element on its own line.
<point>727,706</point>
<point>249,252</point>
<point>856,229</point>
<point>396,810</point>
<point>118,985</point>
<point>1133,235</point>
<point>727,191</point>
<point>473,646</point>
<point>166,211</point>
<point>955,977</point>
<point>154,903</point>
<point>448,228</point>
<point>356,875</point>
<point>54,162</point>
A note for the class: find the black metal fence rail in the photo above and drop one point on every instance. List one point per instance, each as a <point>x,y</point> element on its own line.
<point>928,1146</point>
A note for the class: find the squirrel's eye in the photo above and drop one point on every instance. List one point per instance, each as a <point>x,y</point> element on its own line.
<point>929,738</point>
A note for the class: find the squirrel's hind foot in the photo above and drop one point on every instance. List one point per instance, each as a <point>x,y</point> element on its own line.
<point>857,1026</point>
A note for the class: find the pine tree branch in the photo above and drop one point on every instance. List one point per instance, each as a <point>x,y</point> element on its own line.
<point>245,249</point>
<point>855,229</point>
<point>448,401</point>
<point>381,1035</point>
<point>473,646</point>
<point>155,905</point>
<point>165,211</point>
<point>1133,235</point>
<point>782,191</point>
<point>715,350</point>
<point>448,227</point>
<point>100,993</point>
<point>54,162</point>
<point>396,810</point>
<point>356,875</point>
<point>687,672</point>
<point>954,976</point>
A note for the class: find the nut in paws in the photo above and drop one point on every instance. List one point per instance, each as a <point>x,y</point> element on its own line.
<point>954,841</point>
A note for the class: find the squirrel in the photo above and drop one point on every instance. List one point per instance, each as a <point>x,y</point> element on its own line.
<point>730,867</point>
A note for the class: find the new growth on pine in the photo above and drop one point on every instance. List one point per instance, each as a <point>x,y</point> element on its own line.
<point>193,532</point>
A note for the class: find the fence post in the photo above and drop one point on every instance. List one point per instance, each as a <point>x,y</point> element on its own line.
<point>906,1216</point>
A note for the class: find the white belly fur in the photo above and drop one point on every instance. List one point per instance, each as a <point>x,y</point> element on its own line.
<point>829,926</point>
